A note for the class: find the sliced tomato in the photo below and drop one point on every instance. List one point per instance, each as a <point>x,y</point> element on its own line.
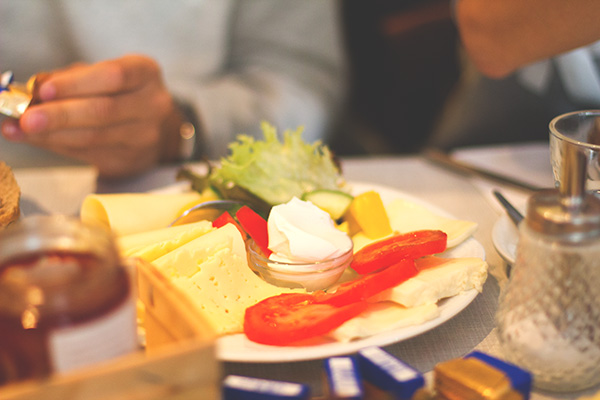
<point>366,286</point>
<point>225,219</point>
<point>385,252</point>
<point>288,318</point>
<point>255,226</point>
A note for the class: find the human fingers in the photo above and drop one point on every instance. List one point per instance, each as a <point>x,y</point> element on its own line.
<point>134,135</point>
<point>106,77</point>
<point>43,76</point>
<point>118,151</point>
<point>11,130</point>
<point>97,111</point>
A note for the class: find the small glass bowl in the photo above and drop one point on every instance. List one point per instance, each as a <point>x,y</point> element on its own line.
<point>310,275</point>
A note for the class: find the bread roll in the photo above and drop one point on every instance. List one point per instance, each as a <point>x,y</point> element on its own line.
<point>10,194</point>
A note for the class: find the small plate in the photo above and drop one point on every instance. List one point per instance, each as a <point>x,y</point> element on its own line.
<point>505,237</point>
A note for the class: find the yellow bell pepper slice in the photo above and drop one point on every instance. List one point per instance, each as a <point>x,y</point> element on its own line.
<point>368,211</point>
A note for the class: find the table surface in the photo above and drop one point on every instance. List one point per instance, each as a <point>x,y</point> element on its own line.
<point>61,190</point>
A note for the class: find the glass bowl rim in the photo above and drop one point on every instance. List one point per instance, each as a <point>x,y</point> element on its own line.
<point>284,267</point>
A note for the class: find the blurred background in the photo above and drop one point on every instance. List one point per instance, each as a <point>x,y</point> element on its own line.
<point>404,64</point>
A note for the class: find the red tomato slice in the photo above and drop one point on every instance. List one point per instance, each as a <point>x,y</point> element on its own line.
<point>386,252</point>
<point>225,219</point>
<point>255,226</point>
<point>290,317</point>
<point>366,286</point>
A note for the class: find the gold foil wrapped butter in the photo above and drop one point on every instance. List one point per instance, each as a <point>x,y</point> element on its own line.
<point>16,97</point>
<point>472,379</point>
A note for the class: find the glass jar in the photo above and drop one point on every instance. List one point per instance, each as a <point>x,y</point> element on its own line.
<point>549,312</point>
<point>65,298</point>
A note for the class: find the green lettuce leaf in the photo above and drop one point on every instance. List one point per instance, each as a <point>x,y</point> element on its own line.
<point>274,170</point>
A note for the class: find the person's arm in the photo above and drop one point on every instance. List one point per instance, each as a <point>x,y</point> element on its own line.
<point>502,35</point>
<point>285,65</point>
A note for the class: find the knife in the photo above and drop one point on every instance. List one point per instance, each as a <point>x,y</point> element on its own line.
<point>441,158</point>
<point>512,212</point>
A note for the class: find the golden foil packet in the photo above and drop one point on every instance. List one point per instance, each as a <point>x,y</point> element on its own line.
<point>472,379</point>
<point>15,97</point>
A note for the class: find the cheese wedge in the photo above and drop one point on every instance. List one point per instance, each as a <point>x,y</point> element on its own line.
<point>382,317</point>
<point>128,213</point>
<point>153,244</point>
<point>212,271</point>
<point>437,279</point>
<point>406,216</point>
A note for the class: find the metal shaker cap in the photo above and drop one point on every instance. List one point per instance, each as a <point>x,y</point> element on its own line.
<point>571,219</point>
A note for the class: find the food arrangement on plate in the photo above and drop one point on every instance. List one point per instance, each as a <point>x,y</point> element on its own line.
<point>310,261</point>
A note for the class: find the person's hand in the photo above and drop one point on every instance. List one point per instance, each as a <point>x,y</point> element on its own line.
<point>116,115</point>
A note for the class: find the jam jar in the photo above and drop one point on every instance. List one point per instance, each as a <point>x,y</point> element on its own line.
<point>66,299</point>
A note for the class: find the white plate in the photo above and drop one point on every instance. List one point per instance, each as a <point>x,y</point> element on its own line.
<point>505,237</point>
<point>238,348</point>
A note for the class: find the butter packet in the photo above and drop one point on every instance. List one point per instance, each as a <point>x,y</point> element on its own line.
<point>343,379</point>
<point>237,387</point>
<point>15,97</point>
<point>479,376</point>
<point>386,372</point>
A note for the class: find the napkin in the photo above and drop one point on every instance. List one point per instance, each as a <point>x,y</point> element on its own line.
<point>55,190</point>
<point>528,162</point>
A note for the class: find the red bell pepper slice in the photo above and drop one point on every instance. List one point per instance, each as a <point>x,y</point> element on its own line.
<point>385,252</point>
<point>255,226</point>
<point>291,317</point>
<point>225,219</point>
<point>366,286</point>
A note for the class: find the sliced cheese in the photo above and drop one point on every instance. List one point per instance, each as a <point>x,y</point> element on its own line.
<point>153,244</point>
<point>407,216</point>
<point>382,317</point>
<point>127,213</point>
<point>185,261</point>
<point>437,279</point>
<point>212,271</point>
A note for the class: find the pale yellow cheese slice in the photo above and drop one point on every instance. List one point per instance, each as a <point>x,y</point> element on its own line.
<point>212,271</point>
<point>382,317</point>
<point>153,244</point>
<point>127,213</point>
<point>407,216</point>
<point>185,260</point>
<point>437,279</point>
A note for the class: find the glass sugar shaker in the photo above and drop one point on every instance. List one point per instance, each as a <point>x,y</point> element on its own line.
<point>549,314</point>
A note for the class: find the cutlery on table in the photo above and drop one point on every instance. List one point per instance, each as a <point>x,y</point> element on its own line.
<point>514,214</point>
<point>444,159</point>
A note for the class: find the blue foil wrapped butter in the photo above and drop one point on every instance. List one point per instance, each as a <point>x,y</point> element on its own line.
<point>388,373</point>
<point>521,380</point>
<point>478,376</point>
<point>343,379</point>
<point>237,387</point>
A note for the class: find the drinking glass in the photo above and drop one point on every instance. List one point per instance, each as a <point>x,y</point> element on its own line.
<point>577,132</point>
